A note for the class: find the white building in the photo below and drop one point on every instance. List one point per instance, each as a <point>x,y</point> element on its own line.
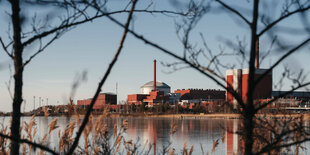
<point>160,86</point>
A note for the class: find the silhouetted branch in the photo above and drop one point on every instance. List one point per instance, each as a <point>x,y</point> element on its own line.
<point>69,25</point>
<point>287,135</point>
<point>280,60</point>
<point>281,95</point>
<point>5,48</point>
<point>41,49</point>
<point>31,143</point>
<point>140,37</point>
<point>271,25</point>
<point>8,84</point>
<point>234,11</point>
<point>85,120</point>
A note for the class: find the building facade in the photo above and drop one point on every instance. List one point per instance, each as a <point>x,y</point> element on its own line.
<point>237,79</point>
<point>136,98</point>
<point>200,94</point>
<point>103,99</point>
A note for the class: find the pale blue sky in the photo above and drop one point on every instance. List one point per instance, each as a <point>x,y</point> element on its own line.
<point>90,47</point>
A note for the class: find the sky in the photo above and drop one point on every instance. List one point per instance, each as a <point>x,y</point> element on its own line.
<point>90,48</point>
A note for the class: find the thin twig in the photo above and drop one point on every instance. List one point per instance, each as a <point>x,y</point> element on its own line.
<point>229,88</point>
<point>280,60</point>
<point>41,49</point>
<point>46,33</point>
<point>5,48</point>
<point>31,143</point>
<point>84,123</point>
<point>281,95</point>
<point>235,11</point>
<point>281,18</point>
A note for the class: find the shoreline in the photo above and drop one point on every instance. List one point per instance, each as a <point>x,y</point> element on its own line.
<point>188,116</point>
<point>211,116</point>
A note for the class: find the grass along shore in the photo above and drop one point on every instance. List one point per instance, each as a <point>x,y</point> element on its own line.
<point>206,116</point>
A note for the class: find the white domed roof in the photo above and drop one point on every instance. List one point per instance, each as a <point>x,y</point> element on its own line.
<point>159,84</point>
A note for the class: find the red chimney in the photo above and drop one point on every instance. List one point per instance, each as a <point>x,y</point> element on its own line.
<point>257,53</point>
<point>154,75</point>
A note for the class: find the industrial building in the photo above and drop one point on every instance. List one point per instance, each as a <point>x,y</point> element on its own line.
<point>237,79</point>
<point>152,93</point>
<point>201,94</point>
<point>102,100</point>
<point>136,99</point>
<point>156,97</point>
<point>160,86</point>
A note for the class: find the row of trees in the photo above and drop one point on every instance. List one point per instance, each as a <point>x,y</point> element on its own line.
<point>255,19</point>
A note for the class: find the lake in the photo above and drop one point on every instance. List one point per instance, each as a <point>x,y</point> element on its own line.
<point>155,133</point>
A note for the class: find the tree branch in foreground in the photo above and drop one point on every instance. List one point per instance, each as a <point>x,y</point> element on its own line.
<point>41,49</point>
<point>281,95</point>
<point>84,123</point>
<point>65,26</point>
<point>31,143</point>
<point>281,59</point>
<point>235,11</point>
<point>229,89</point>
<point>282,18</point>
<point>5,48</point>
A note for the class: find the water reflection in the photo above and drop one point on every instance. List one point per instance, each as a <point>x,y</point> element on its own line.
<point>232,139</point>
<point>155,133</point>
<point>196,132</point>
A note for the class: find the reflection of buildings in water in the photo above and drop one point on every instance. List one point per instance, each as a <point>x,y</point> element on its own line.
<point>232,139</point>
<point>150,134</point>
<point>183,133</point>
<point>191,125</point>
<point>132,129</point>
<point>156,134</point>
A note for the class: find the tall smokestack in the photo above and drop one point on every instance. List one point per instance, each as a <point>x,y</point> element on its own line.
<point>257,53</point>
<point>154,75</point>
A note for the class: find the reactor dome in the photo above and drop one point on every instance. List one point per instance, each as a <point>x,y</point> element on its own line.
<point>160,86</point>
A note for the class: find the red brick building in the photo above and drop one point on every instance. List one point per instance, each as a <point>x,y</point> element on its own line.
<point>238,80</point>
<point>136,98</point>
<point>156,97</point>
<point>103,99</point>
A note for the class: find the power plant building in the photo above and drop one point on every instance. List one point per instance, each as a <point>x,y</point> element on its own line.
<point>160,86</point>
<point>201,94</point>
<point>136,98</point>
<point>103,99</point>
<point>237,79</point>
<point>152,93</point>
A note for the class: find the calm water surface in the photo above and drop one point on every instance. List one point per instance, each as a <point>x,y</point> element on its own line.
<point>155,132</point>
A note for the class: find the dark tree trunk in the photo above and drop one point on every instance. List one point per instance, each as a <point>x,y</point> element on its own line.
<point>250,110</point>
<point>248,133</point>
<point>18,76</point>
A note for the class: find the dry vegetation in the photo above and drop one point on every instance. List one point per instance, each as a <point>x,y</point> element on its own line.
<point>99,138</point>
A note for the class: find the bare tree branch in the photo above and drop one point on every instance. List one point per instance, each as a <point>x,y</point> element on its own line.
<point>41,49</point>
<point>36,145</point>
<point>69,25</point>
<point>280,60</point>
<point>281,95</point>
<point>140,37</point>
<point>85,121</point>
<point>271,25</point>
<point>5,48</point>
<point>234,11</point>
<point>264,150</point>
